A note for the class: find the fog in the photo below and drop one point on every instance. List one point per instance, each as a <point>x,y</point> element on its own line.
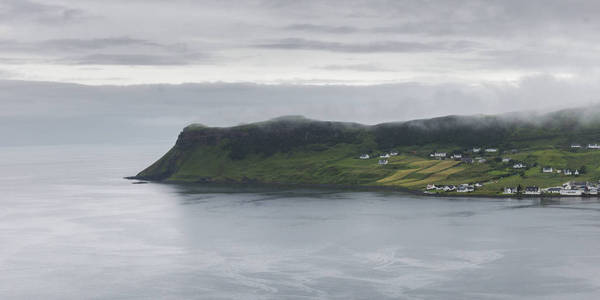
<point>59,113</point>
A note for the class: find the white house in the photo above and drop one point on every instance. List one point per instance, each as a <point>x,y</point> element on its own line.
<point>547,170</point>
<point>576,172</point>
<point>449,188</point>
<point>558,171</point>
<point>365,156</point>
<point>553,190</point>
<point>576,185</point>
<point>593,146</point>
<point>384,156</point>
<point>532,190</point>
<point>575,146</point>
<point>431,187</point>
<point>506,159</point>
<point>565,192</point>
<point>465,188</point>
<point>481,160</point>
<point>476,150</point>
<point>491,150</point>
<point>510,190</point>
<point>567,172</point>
<point>393,153</point>
<point>383,162</point>
<point>456,156</point>
<point>439,154</point>
<point>518,166</point>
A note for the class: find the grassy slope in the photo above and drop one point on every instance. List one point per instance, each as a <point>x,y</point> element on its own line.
<point>340,165</point>
<point>333,166</point>
<point>313,152</point>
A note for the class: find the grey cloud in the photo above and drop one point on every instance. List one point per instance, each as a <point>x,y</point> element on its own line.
<point>485,18</point>
<point>368,47</point>
<point>137,59</point>
<point>321,28</point>
<point>482,37</point>
<point>118,51</point>
<point>356,67</point>
<point>86,44</point>
<point>543,59</point>
<point>19,61</point>
<point>71,44</point>
<point>5,74</point>
<point>38,12</point>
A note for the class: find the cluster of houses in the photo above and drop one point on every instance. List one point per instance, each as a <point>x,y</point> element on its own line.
<point>589,146</point>
<point>461,188</point>
<point>530,190</point>
<point>444,155</point>
<point>550,170</point>
<point>465,159</point>
<point>571,188</point>
<point>488,150</point>
<point>516,165</point>
<point>519,166</point>
<point>383,158</point>
<point>566,172</point>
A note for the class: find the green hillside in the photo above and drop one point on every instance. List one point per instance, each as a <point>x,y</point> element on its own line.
<point>295,150</point>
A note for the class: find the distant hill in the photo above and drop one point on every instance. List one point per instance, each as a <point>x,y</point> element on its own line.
<point>298,150</point>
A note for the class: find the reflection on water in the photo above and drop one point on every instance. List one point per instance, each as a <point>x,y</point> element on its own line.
<point>72,228</point>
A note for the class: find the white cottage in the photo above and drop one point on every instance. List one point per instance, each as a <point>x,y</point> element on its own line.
<point>565,192</point>
<point>439,154</point>
<point>532,190</point>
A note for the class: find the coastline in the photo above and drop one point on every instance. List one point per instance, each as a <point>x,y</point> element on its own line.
<point>357,188</point>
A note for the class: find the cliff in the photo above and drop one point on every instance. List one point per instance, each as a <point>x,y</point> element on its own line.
<point>302,151</point>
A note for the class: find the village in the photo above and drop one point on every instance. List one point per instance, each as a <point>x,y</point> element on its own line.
<point>570,188</point>
<point>481,155</point>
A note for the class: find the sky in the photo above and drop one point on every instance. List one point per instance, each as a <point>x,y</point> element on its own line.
<point>161,65</point>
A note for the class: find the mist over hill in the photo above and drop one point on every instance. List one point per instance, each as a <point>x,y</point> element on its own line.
<point>60,113</point>
<point>510,129</point>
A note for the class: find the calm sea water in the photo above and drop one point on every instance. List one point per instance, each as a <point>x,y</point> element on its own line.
<point>72,228</point>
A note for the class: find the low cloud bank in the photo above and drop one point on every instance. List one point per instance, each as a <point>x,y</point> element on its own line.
<point>59,113</point>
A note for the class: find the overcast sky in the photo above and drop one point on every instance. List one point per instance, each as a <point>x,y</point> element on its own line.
<point>168,63</point>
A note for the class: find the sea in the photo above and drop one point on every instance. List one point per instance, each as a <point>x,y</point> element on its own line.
<point>71,227</point>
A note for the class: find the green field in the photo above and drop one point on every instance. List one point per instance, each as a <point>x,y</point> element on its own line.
<point>340,165</point>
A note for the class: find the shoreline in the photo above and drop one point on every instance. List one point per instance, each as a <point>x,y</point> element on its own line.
<point>358,188</point>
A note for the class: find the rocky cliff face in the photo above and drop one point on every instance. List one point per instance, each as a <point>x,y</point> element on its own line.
<point>265,138</point>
